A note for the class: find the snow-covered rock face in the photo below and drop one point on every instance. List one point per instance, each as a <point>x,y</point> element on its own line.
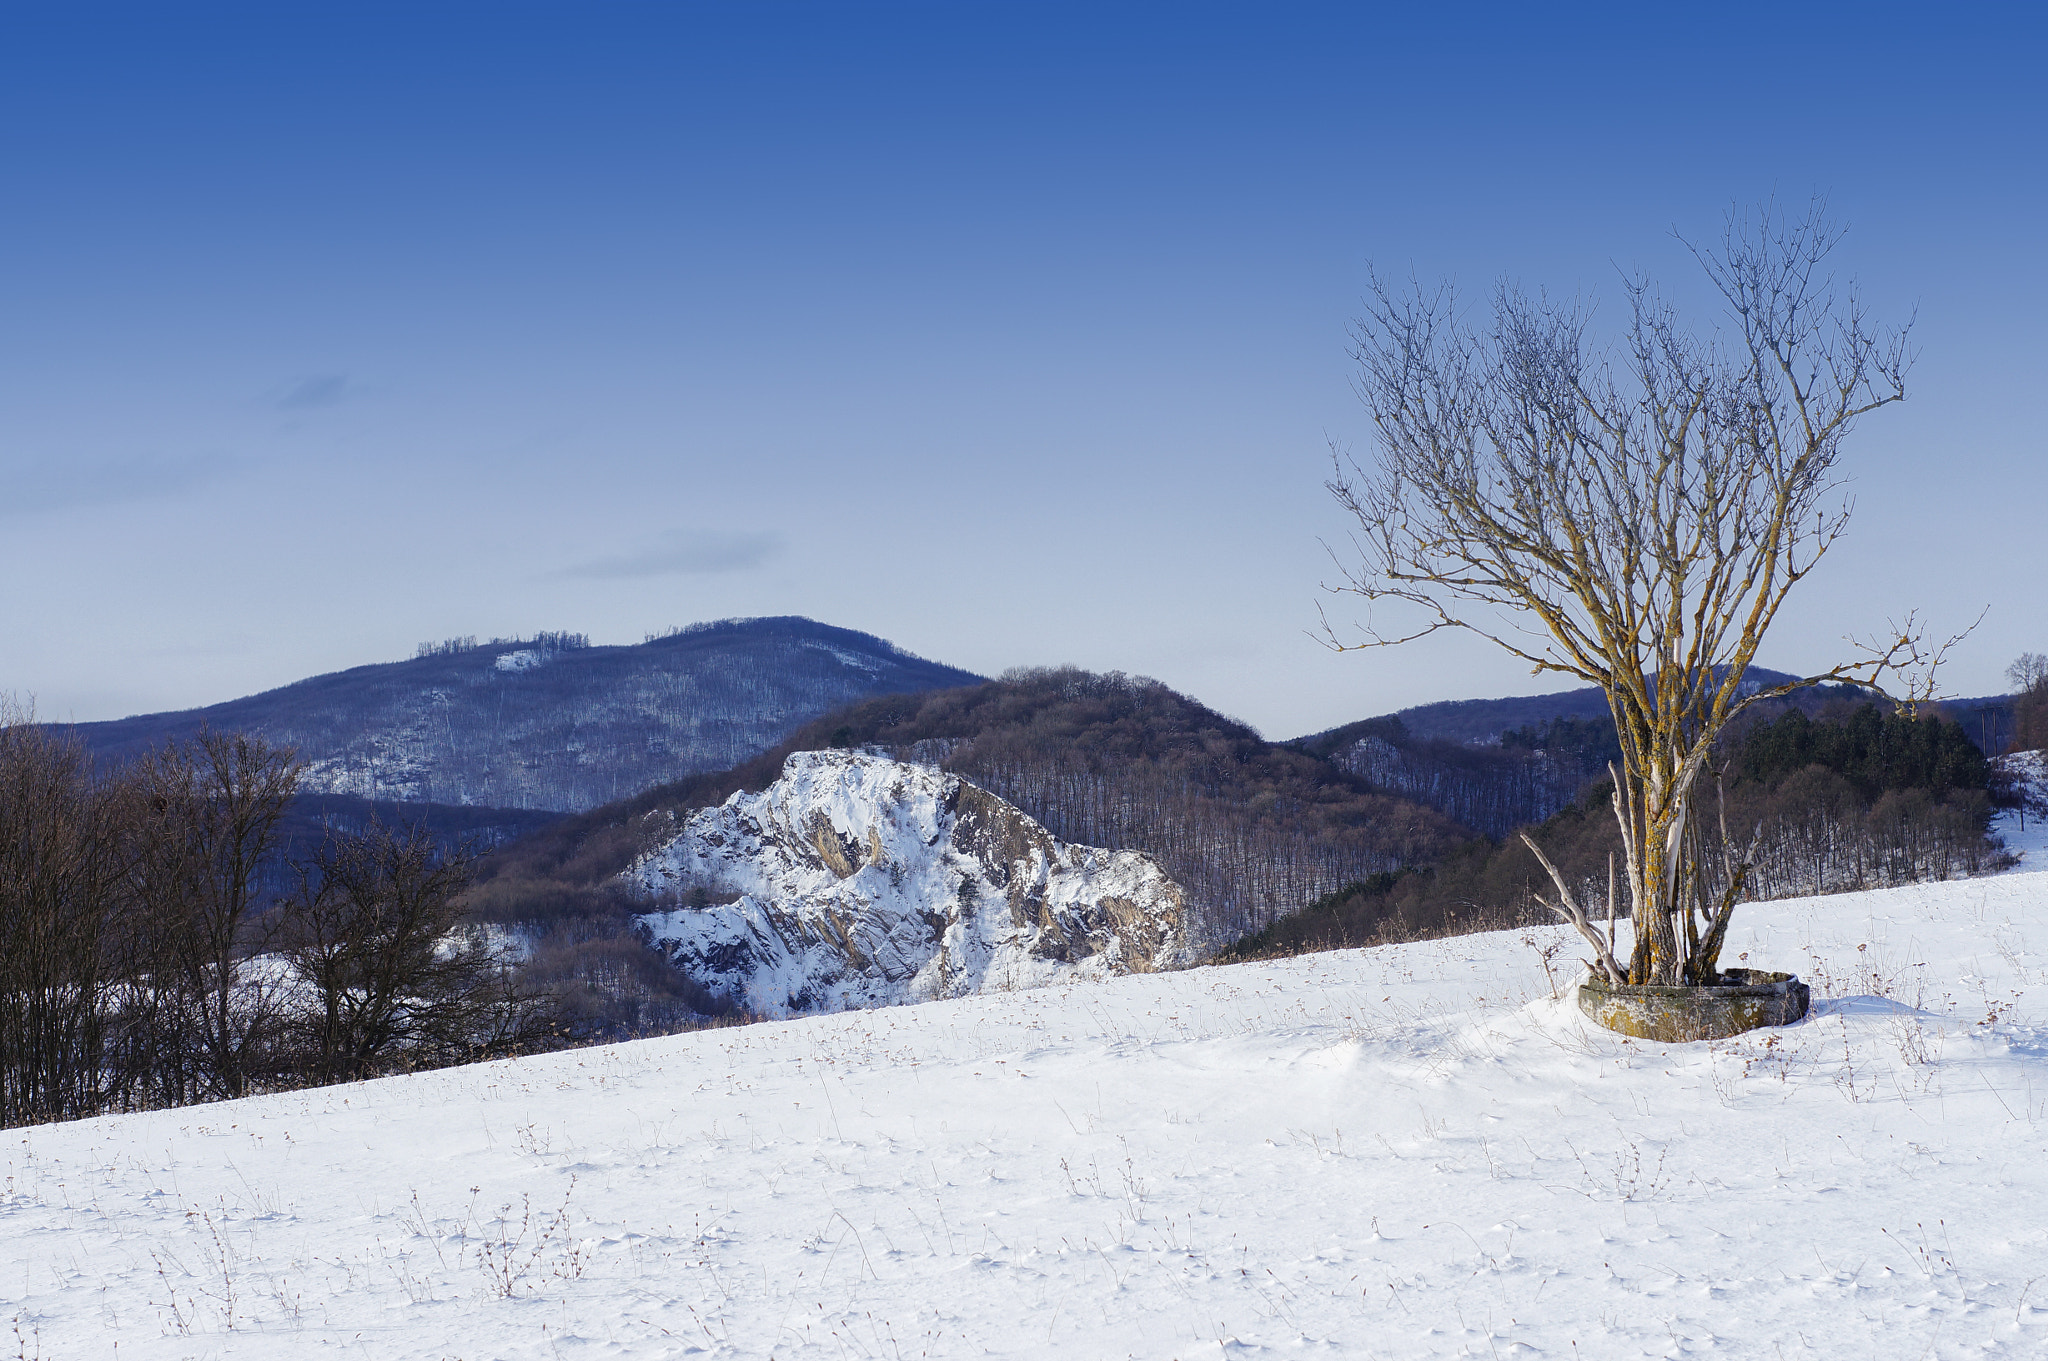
<point>865,881</point>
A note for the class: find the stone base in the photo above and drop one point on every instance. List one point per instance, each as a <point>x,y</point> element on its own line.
<point>1746,1000</point>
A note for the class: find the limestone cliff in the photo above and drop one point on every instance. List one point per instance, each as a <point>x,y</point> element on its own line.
<point>863,881</point>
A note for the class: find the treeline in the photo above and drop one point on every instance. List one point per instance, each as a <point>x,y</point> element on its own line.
<point>543,641</point>
<point>142,964</point>
<point>2029,677</point>
<point>1854,800</point>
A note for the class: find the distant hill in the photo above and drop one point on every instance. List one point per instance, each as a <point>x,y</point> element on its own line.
<point>1499,764</point>
<point>1484,720</point>
<point>551,723</point>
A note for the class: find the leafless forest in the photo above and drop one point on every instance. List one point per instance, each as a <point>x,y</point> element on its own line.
<point>142,963</point>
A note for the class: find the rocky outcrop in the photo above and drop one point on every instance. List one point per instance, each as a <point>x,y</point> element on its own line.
<point>855,880</point>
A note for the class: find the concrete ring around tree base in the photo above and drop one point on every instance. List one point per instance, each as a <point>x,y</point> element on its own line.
<point>1747,1000</point>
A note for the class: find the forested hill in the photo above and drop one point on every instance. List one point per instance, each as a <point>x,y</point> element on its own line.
<point>1484,720</point>
<point>550,722</point>
<point>1857,798</point>
<point>1250,828</point>
<point>1987,718</point>
<point>1499,764</point>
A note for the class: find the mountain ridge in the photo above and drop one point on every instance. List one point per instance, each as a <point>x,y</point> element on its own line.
<point>552,723</point>
<point>1479,720</point>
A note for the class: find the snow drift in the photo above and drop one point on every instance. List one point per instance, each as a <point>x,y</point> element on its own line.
<point>862,881</point>
<point>1405,1153</point>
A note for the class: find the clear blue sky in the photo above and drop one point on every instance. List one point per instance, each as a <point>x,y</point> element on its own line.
<point>1014,333</point>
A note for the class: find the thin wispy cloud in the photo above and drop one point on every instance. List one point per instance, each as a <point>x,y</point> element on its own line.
<point>315,391</point>
<point>686,552</point>
<point>51,485</point>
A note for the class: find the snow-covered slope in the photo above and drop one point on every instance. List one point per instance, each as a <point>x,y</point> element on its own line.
<point>1408,1152</point>
<point>864,881</point>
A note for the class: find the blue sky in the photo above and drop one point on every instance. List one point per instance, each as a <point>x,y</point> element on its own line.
<point>1015,334</point>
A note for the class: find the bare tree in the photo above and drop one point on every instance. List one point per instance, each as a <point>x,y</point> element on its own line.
<point>2029,677</point>
<point>62,874</point>
<point>211,813</point>
<point>1633,518</point>
<point>377,935</point>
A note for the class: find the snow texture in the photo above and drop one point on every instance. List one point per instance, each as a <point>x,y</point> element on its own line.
<point>2026,834</point>
<point>852,660</point>
<point>1408,1152</point>
<point>863,881</point>
<point>525,659</point>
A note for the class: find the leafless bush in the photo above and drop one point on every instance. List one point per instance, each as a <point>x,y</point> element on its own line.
<point>516,1250</point>
<point>377,937</point>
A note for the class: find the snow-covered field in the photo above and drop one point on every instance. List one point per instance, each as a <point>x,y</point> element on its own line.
<point>1407,1152</point>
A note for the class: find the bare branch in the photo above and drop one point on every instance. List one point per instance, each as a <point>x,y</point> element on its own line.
<point>1568,907</point>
